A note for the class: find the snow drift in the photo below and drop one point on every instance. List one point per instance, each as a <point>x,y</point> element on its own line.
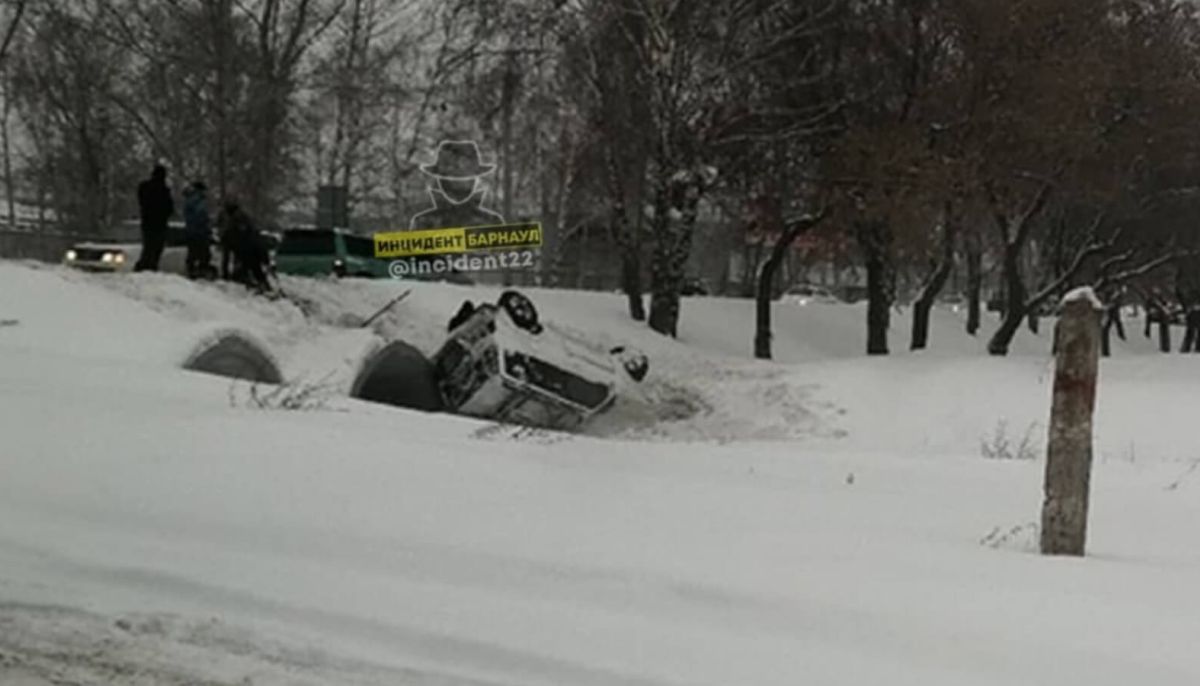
<point>234,354</point>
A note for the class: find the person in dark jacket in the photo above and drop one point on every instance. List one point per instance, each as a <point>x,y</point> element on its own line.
<point>241,242</point>
<point>1158,313</point>
<point>1191,336</point>
<point>1112,318</point>
<point>197,230</point>
<point>157,206</point>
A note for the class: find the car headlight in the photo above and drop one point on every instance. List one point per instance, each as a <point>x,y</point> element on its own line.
<point>106,257</point>
<point>119,257</point>
<point>339,263</point>
<point>71,255</point>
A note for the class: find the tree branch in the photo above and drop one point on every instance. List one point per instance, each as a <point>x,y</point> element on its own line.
<point>1093,247</point>
<point>12,29</point>
<point>1145,268</point>
<point>1035,207</point>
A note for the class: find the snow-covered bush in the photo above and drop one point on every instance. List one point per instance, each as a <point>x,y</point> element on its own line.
<point>290,395</point>
<point>999,446</point>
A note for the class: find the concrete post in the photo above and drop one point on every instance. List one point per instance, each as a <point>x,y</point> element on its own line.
<point>1069,451</point>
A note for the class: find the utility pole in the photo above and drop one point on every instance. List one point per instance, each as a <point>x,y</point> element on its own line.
<point>508,95</point>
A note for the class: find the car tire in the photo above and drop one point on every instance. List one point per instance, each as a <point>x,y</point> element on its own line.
<point>400,375</point>
<point>520,310</point>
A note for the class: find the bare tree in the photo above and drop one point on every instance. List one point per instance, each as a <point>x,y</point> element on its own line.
<point>356,85</point>
<point>64,78</point>
<point>13,11</point>
<point>282,34</point>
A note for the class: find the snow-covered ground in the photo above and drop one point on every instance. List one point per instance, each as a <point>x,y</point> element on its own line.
<point>828,519</point>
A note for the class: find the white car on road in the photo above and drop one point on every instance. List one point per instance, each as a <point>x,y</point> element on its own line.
<point>805,293</point>
<point>122,256</point>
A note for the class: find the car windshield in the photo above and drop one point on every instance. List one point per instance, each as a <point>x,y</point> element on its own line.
<point>308,243</point>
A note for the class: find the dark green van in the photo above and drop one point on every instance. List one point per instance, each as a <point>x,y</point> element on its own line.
<point>322,252</point>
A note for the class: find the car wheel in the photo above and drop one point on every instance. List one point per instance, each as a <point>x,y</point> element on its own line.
<point>521,310</point>
<point>635,362</point>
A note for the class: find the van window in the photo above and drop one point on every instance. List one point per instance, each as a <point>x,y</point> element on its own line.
<point>360,246</point>
<point>308,243</point>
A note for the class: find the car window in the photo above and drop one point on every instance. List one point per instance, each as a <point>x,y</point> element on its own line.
<point>307,243</point>
<point>360,246</point>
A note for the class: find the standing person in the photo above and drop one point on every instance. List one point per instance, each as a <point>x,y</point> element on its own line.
<point>241,241</point>
<point>1112,318</point>
<point>226,226</point>
<point>197,229</point>
<point>1191,337</point>
<point>157,206</point>
<point>1158,311</point>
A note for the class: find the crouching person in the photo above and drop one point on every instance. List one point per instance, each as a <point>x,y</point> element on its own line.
<point>242,244</point>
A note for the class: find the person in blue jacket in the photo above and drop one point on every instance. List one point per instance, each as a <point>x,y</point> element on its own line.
<point>197,230</point>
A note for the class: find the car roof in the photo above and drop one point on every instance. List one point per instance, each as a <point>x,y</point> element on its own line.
<point>94,245</point>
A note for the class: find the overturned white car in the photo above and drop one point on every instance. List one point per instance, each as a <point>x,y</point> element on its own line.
<point>500,362</point>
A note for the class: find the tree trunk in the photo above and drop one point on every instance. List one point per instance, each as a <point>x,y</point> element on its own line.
<point>1164,335</point>
<point>1014,310</point>
<point>874,239</point>
<point>221,21</point>
<point>878,307</point>
<point>762,328</point>
<point>581,263</point>
<point>664,293</point>
<point>9,184</point>
<point>933,286</point>
<point>508,94</point>
<point>766,281</point>
<point>631,283</point>
<point>672,247</point>
<point>626,235</point>
<point>1000,341</point>
<point>921,311</point>
<point>1069,452</point>
<point>270,118</point>
<point>974,286</point>
<point>664,306</point>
